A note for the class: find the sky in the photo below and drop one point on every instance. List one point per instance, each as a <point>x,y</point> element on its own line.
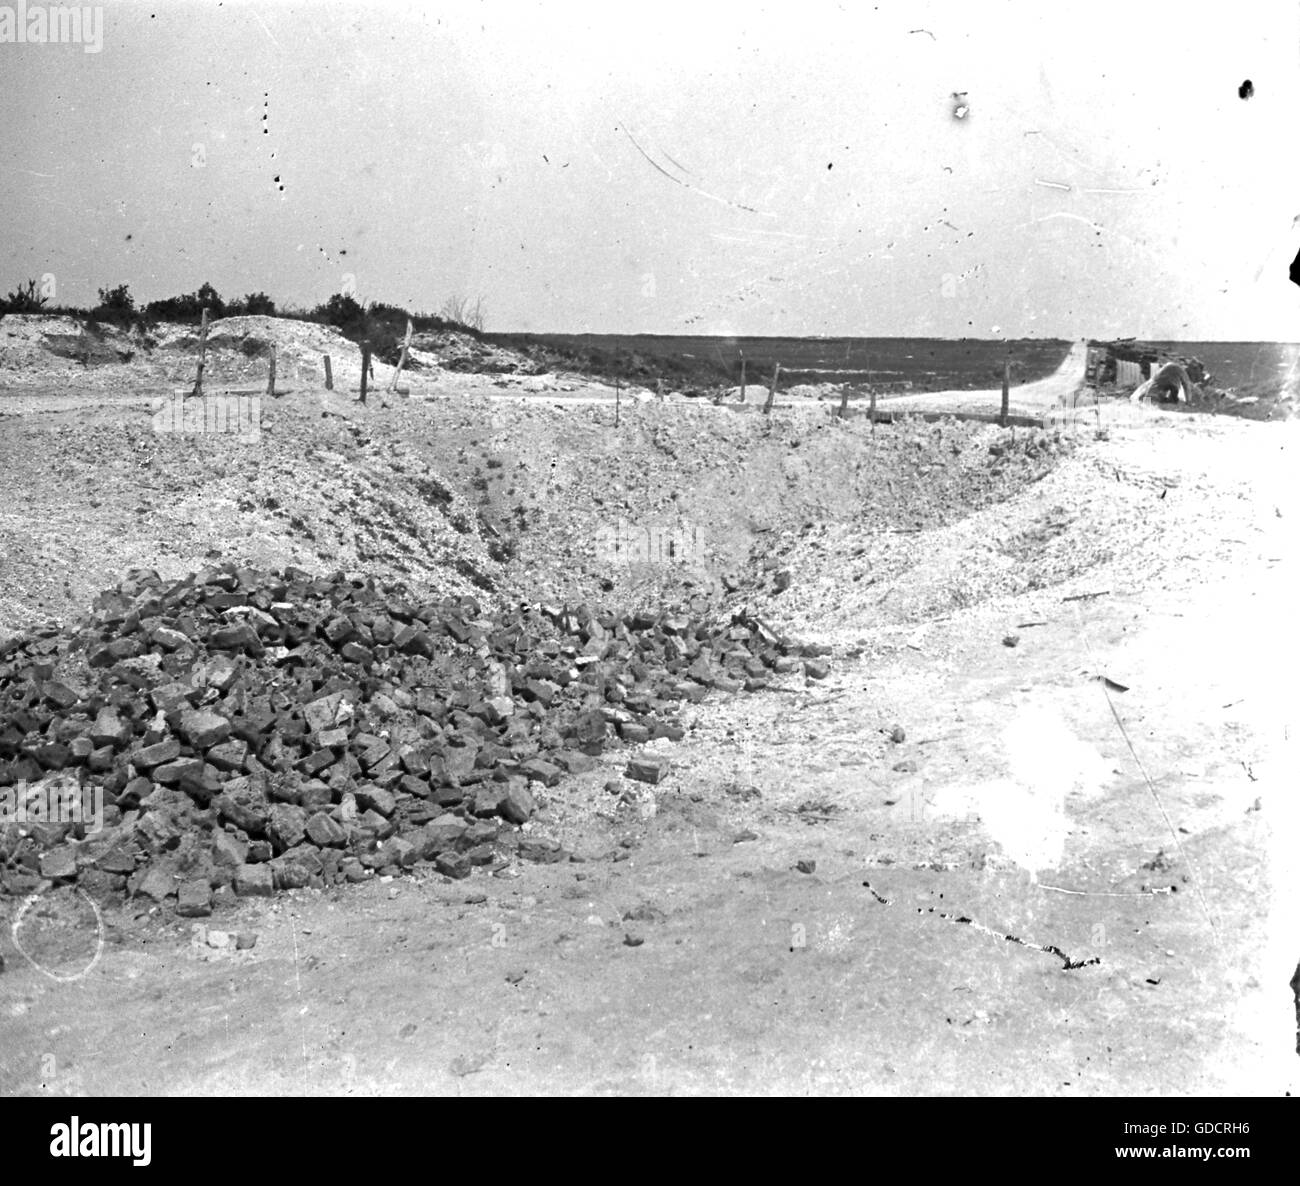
<point>980,169</point>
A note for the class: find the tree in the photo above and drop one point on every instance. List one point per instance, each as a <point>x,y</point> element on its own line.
<point>188,308</point>
<point>459,311</point>
<point>211,298</point>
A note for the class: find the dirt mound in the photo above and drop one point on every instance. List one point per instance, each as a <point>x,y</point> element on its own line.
<point>89,495</point>
<point>238,348</point>
<point>35,347</point>
<point>38,348</point>
<point>461,352</point>
<point>240,731</point>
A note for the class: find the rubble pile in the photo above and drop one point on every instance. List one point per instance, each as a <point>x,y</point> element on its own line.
<point>253,731</point>
<point>455,351</point>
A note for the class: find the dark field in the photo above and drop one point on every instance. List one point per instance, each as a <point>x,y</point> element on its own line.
<point>1241,364</point>
<point>887,364</point>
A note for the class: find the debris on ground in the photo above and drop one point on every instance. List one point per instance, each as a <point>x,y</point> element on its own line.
<point>254,731</point>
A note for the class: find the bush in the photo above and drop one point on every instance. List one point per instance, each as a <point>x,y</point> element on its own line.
<point>188,308</point>
<point>255,304</point>
<point>116,305</point>
<point>341,311</point>
<point>379,326</point>
<point>23,300</point>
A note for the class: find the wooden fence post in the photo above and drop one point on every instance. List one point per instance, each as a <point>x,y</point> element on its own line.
<point>618,398</point>
<point>1006,392</point>
<point>872,412</point>
<point>365,367</point>
<point>401,362</point>
<point>270,379</point>
<point>771,391</point>
<point>844,402</point>
<point>329,373</point>
<point>742,376</point>
<point>203,354</point>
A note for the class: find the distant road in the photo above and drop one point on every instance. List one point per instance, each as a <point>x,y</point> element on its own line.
<point>1028,397</point>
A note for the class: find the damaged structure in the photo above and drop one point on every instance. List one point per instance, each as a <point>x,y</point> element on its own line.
<point>1145,371</point>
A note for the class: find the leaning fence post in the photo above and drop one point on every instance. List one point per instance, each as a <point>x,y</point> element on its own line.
<point>203,354</point>
<point>401,362</point>
<point>365,367</point>
<point>1006,392</point>
<point>329,373</point>
<point>771,391</point>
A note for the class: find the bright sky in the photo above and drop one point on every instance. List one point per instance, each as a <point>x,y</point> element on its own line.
<point>703,167</point>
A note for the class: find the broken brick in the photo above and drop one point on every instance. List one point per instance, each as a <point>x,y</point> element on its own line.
<point>651,770</point>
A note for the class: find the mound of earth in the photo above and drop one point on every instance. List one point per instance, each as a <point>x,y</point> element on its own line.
<point>461,352</point>
<point>42,348</point>
<point>90,494</point>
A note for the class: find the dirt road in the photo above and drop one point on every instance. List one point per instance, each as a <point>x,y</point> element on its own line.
<point>1028,398</point>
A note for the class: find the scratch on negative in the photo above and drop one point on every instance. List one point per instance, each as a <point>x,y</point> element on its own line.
<point>686,184</point>
<point>265,30</point>
<point>1066,214</point>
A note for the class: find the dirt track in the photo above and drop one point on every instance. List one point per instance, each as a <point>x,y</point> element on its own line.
<point>1027,398</point>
